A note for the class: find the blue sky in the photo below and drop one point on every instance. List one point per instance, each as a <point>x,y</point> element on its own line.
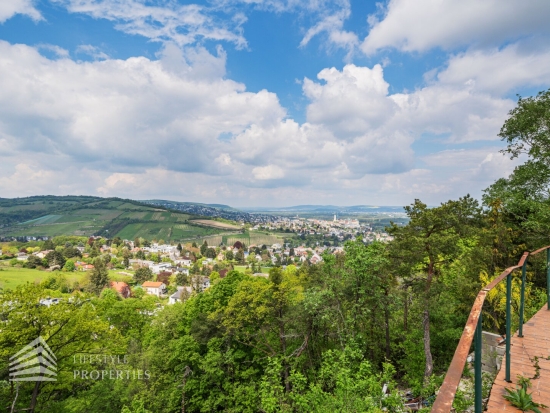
<point>263,102</point>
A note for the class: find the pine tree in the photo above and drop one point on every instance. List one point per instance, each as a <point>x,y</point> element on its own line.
<point>99,277</point>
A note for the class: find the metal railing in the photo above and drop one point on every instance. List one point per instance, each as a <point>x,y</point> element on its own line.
<point>444,401</point>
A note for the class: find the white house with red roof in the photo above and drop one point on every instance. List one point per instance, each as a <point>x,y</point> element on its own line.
<point>154,287</point>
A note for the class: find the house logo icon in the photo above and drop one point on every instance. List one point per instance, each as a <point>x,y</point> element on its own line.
<point>34,362</point>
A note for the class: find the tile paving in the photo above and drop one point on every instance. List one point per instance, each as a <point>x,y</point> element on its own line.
<point>535,343</point>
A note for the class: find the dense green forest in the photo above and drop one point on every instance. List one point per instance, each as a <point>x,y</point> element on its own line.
<point>322,338</point>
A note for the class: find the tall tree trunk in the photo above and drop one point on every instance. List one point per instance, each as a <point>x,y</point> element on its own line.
<point>15,399</point>
<point>34,398</point>
<point>427,351</point>
<point>286,374</point>
<point>426,323</point>
<point>372,339</point>
<point>406,312</point>
<point>186,372</point>
<point>387,326</point>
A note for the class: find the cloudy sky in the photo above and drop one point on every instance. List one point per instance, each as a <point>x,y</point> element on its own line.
<point>264,102</point>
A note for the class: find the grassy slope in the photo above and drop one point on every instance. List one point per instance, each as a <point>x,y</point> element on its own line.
<point>84,216</point>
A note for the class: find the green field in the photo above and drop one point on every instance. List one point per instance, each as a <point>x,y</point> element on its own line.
<point>242,268</point>
<point>11,277</point>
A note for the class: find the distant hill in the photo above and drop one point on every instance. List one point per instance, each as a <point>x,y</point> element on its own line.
<point>87,215</point>
<point>214,210</point>
<point>358,209</point>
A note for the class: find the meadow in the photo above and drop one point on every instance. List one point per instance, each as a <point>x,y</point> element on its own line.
<point>11,277</point>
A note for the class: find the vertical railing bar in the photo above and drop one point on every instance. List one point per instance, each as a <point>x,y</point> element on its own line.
<point>522,299</point>
<point>508,324</point>
<point>548,277</point>
<point>477,367</point>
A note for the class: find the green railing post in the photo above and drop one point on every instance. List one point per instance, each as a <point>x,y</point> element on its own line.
<point>508,324</point>
<point>548,276</point>
<point>477,368</point>
<point>522,299</point>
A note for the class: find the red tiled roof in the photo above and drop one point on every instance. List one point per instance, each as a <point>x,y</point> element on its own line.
<point>152,284</point>
<point>119,286</point>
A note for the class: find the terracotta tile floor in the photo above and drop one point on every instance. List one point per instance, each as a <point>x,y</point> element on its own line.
<point>536,342</point>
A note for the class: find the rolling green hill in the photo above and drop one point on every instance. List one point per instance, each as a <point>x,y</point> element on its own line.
<point>86,215</point>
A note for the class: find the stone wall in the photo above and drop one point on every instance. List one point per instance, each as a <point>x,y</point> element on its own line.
<point>492,352</point>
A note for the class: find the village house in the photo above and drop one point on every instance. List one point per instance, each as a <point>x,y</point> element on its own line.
<point>183,261</point>
<point>183,270</point>
<point>42,254</point>
<point>160,267</point>
<point>121,288</point>
<point>154,287</point>
<point>82,266</point>
<point>200,283</point>
<point>180,295</point>
<point>315,259</point>
<point>141,263</point>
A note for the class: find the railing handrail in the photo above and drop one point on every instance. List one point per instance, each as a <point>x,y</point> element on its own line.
<point>444,401</point>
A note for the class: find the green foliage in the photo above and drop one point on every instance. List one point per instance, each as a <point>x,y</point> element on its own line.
<point>69,266</point>
<point>69,327</point>
<point>143,274</point>
<point>319,338</point>
<point>56,281</point>
<point>522,400</point>
<point>136,407</point>
<point>55,258</point>
<point>182,279</point>
<point>524,194</point>
<point>99,276</point>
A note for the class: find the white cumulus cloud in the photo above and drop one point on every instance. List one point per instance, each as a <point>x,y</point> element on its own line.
<point>9,8</point>
<point>423,24</point>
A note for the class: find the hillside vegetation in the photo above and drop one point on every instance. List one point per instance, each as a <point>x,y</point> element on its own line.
<point>49,216</point>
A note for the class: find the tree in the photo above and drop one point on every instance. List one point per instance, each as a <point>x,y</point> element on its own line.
<point>55,258</point>
<point>204,247</point>
<point>48,245</point>
<point>427,242</point>
<point>525,193</point>
<point>32,262</point>
<point>99,276</point>
<point>71,252</point>
<point>179,247</point>
<point>137,242</point>
<point>69,266</point>
<point>126,254</point>
<point>263,316</point>
<point>210,253</point>
<point>69,328</point>
<point>137,407</point>
<point>229,255</point>
<point>239,256</point>
<point>143,274</point>
<point>95,252</point>
<point>182,278</point>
